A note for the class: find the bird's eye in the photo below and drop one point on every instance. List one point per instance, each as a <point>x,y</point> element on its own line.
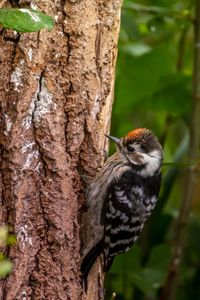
<point>130,148</point>
<point>143,148</point>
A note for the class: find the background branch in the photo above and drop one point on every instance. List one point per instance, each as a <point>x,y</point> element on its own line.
<point>192,178</point>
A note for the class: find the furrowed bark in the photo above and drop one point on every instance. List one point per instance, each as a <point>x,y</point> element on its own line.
<point>55,106</point>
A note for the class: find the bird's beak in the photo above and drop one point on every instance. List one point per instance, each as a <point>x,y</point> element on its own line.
<point>117,141</point>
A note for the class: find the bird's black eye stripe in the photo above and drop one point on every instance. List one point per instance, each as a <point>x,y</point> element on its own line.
<point>130,148</point>
<point>143,147</point>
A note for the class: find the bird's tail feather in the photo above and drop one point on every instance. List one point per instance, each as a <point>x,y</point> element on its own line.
<point>108,264</point>
<point>90,258</point>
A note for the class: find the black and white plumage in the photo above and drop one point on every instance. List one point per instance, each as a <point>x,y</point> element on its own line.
<point>122,197</point>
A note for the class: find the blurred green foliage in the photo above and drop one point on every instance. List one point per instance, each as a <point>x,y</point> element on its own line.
<point>154,90</point>
<point>6,239</point>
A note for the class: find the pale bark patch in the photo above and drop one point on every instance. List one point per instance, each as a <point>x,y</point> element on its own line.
<point>16,77</point>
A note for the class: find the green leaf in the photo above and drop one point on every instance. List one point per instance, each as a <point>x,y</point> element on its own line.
<point>148,280</point>
<point>2,256</point>
<point>152,9</point>
<point>127,261</point>
<point>25,20</point>
<point>129,25</point>
<point>5,268</point>
<point>138,78</point>
<point>3,235</point>
<point>153,275</point>
<point>173,95</point>
<point>156,25</point>
<point>11,239</point>
<point>136,49</point>
<point>159,257</point>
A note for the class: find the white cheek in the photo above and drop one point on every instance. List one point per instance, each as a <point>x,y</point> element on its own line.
<point>152,161</point>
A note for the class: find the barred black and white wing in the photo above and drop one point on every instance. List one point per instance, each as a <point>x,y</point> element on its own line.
<point>129,204</point>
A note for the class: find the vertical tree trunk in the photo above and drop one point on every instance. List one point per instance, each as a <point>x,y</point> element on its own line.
<point>56,96</point>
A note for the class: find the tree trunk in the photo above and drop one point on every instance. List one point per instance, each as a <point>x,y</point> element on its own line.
<point>55,106</point>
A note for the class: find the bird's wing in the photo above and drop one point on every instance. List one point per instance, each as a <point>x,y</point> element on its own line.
<point>124,217</point>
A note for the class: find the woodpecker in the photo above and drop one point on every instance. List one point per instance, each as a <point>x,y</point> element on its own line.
<point>122,196</point>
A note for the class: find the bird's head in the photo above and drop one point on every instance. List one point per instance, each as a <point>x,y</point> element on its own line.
<point>140,148</point>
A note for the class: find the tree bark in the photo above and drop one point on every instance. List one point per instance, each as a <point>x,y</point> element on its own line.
<point>56,98</point>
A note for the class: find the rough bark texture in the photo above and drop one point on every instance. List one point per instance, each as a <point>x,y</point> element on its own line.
<point>56,91</point>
